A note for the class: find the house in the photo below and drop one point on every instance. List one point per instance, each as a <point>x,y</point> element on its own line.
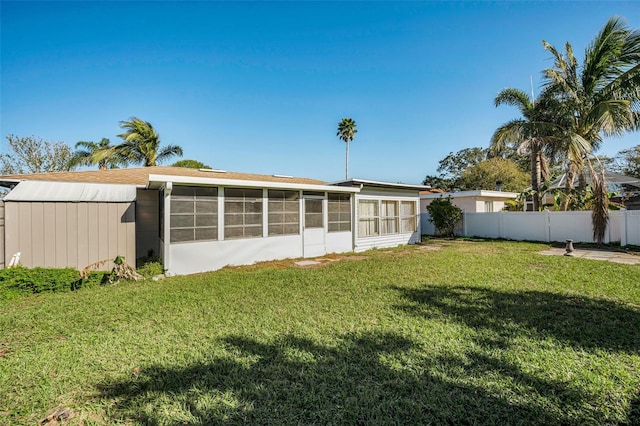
<point>478,201</point>
<point>198,220</point>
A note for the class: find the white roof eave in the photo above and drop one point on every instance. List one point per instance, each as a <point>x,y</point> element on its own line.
<point>157,181</point>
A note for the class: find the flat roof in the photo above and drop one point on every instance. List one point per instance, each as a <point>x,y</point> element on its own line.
<point>71,192</point>
<point>380,184</point>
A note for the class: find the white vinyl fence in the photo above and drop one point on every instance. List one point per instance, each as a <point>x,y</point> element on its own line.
<point>1,234</point>
<point>623,227</point>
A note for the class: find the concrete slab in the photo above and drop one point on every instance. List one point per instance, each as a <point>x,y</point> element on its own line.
<point>304,263</point>
<point>602,255</point>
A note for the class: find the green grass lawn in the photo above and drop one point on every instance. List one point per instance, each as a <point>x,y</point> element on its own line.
<point>473,333</point>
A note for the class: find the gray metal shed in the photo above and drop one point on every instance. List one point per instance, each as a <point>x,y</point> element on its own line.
<point>66,224</point>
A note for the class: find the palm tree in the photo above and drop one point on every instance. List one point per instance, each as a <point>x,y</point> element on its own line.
<point>101,153</point>
<point>346,131</point>
<point>141,143</point>
<point>533,134</point>
<point>600,99</point>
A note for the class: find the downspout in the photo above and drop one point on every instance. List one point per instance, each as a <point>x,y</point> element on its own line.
<point>166,237</point>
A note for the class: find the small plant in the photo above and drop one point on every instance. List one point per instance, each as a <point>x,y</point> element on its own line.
<point>121,270</point>
<point>150,265</point>
<point>444,215</point>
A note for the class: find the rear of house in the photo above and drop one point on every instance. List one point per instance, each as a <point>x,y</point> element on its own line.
<point>200,220</point>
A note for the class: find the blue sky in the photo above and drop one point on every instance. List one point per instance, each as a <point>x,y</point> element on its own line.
<point>260,87</point>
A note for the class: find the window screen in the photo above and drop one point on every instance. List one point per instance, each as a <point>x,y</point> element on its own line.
<point>242,213</point>
<point>339,212</point>
<point>194,214</point>
<point>368,218</point>
<point>284,212</point>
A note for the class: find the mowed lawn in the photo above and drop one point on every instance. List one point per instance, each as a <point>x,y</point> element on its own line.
<point>454,332</point>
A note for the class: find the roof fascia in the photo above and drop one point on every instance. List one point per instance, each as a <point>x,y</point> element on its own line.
<point>156,181</point>
<point>381,184</point>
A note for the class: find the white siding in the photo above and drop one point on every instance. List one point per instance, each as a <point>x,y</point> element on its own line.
<point>389,240</point>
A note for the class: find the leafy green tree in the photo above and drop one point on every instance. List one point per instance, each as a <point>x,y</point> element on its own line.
<point>102,154</point>
<point>191,164</point>
<point>141,144</point>
<point>627,161</point>
<point>346,132</point>
<point>599,99</point>
<point>35,155</point>
<point>452,167</point>
<point>485,174</point>
<point>444,215</point>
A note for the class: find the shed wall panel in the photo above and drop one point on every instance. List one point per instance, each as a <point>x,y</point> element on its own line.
<point>73,228</point>
<point>23,242</point>
<point>92,236</point>
<point>38,238</point>
<point>61,234</point>
<point>113,221</point>
<point>103,233</point>
<point>83,234</point>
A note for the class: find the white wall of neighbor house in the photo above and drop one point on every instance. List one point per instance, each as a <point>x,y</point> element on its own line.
<point>386,218</point>
<point>66,234</point>
<point>470,204</point>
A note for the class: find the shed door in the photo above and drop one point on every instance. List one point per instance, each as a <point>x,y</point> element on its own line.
<point>313,227</point>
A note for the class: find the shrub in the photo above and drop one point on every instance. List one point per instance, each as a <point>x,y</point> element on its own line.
<point>20,280</point>
<point>39,280</point>
<point>444,215</point>
<point>149,265</point>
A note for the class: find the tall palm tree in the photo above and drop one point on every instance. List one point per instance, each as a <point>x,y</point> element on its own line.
<point>101,153</point>
<point>533,134</point>
<point>599,99</point>
<point>346,132</point>
<point>141,144</point>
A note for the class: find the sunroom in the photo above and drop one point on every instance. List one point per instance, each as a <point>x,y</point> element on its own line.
<point>206,224</point>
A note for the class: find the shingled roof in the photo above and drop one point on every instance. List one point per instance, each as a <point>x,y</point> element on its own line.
<point>140,176</point>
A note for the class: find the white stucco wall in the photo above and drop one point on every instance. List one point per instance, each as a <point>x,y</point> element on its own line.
<point>192,257</point>
<point>474,204</point>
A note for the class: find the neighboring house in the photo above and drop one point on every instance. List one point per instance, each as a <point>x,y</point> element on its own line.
<point>479,201</point>
<point>199,220</point>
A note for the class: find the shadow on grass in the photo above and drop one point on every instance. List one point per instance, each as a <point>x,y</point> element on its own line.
<point>366,379</point>
<point>575,321</point>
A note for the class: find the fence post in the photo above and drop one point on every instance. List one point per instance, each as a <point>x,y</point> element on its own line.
<point>464,224</point>
<point>623,228</point>
<point>500,225</point>
<point>547,221</point>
